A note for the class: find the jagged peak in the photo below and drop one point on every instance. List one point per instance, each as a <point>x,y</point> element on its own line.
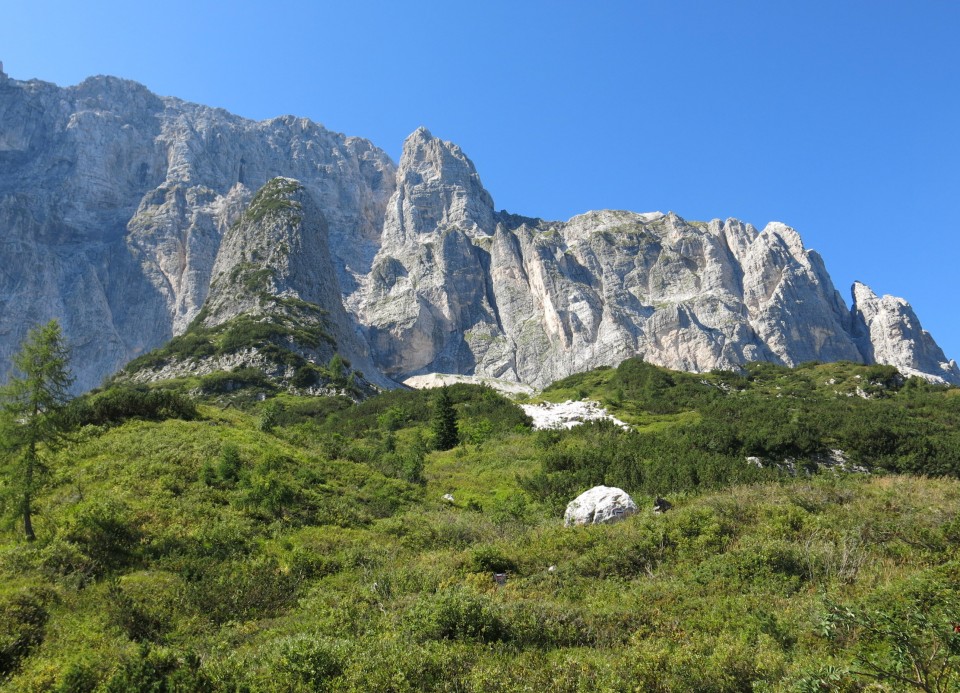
<point>438,187</point>
<point>787,235</point>
<point>421,133</point>
<point>861,293</point>
<point>422,144</point>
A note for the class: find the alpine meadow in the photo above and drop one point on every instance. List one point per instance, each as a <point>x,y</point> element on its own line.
<point>281,414</point>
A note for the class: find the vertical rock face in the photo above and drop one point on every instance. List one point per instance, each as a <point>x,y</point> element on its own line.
<point>428,301</point>
<point>123,214</point>
<point>113,202</point>
<point>457,288</point>
<point>275,265</point>
<point>889,332</point>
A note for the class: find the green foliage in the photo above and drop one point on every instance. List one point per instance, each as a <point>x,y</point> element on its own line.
<point>159,669</point>
<point>212,552</point>
<point>105,532</point>
<point>458,614</point>
<point>909,636</point>
<point>269,415</point>
<point>31,414</point>
<point>118,403</point>
<point>273,198</point>
<point>23,619</point>
<point>444,421</point>
<point>228,466</point>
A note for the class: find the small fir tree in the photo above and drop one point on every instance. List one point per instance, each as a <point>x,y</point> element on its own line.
<point>444,421</point>
<point>32,405</point>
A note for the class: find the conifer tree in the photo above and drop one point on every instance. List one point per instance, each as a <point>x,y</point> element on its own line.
<point>32,404</point>
<point>444,421</point>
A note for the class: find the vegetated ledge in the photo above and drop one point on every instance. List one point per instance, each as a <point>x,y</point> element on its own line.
<point>269,352</point>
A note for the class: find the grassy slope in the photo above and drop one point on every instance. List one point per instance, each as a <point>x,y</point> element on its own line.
<point>212,554</point>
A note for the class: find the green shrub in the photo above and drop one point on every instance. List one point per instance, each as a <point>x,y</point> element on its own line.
<point>269,488</point>
<point>122,402</point>
<point>105,531</point>
<point>145,605</point>
<point>159,669</point>
<point>220,382</point>
<point>23,618</point>
<point>458,614</point>
<point>239,589</point>
<point>229,463</point>
<point>491,559</point>
<point>306,663</point>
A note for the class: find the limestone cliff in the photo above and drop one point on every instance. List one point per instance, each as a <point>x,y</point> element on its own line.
<point>113,203</point>
<point>274,305</point>
<point>889,332</point>
<point>458,288</point>
<point>124,214</point>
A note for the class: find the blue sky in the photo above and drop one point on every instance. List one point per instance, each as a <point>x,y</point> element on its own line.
<point>840,118</point>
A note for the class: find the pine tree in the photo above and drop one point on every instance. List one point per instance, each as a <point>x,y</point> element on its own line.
<point>32,404</point>
<point>444,421</point>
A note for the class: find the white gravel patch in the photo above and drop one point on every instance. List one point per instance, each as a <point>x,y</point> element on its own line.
<point>507,387</point>
<point>567,414</point>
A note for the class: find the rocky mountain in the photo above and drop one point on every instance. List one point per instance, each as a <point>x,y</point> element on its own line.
<point>127,215</point>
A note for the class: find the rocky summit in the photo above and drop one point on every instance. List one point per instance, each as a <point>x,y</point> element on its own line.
<point>130,216</point>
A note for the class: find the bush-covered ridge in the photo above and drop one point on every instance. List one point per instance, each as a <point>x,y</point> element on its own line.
<point>273,198</point>
<point>299,543</point>
<point>288,349</point>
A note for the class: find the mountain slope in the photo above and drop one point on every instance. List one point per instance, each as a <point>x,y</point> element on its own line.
<point>196,548</point>
<point>274,304</point>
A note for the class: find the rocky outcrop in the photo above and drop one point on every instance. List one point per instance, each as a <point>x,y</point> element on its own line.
<point>113,202</point>
<point>458,288</point>
<point>274,302</point>
<point>599,505</point>
<point>889,332</point>
<point>122,214</point>
<point>428,304</point>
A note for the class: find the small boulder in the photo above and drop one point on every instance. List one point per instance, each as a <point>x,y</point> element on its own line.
<point>661,505</point>
<point>448,497</point>
<point>601,504</point>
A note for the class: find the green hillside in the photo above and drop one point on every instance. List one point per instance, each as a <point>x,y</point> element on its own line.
<point>190,539</point>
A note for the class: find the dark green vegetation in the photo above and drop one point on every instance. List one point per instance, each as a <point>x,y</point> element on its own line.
<point>30,417</point>
<point>283,347</point>
<point>272,198</point>
<point>299,544</point>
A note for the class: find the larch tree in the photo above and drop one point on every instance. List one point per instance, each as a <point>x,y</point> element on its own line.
<point>31,421</point>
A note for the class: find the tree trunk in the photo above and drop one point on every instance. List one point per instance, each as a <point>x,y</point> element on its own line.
<point>27,522</point>
<point>30,461</point>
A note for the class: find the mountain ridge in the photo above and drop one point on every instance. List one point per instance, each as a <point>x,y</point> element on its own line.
<point>123,199</point>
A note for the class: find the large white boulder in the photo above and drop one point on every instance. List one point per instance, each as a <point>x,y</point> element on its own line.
<point>598,505</point>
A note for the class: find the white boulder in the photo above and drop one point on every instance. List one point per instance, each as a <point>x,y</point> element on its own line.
<point>601,504</point>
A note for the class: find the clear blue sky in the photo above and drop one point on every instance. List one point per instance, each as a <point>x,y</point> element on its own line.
<point>840,118</point>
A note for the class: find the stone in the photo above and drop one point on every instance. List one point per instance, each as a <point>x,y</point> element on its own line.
<point>661,505</point>
<point>599,505</point>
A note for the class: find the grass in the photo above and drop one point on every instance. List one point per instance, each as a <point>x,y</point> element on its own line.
<point>221,554</point>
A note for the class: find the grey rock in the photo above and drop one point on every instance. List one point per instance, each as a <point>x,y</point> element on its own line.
<point>274,267</point>
<point>113,203</point>
<point>599,505</point>
<point>889,332</point>
<point>120,211</point>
